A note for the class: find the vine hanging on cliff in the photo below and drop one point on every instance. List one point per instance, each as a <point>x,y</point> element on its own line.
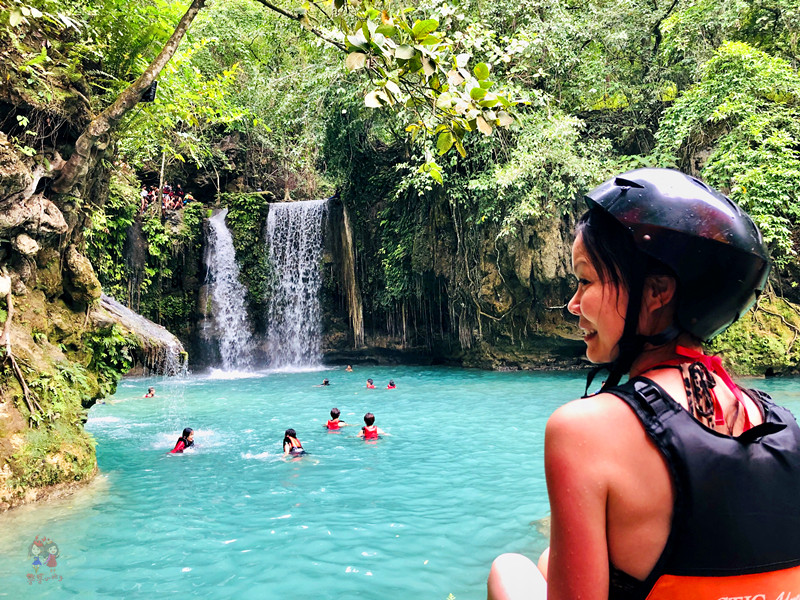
<point>30,398</point>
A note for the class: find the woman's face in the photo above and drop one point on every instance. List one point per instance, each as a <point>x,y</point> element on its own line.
<point>190,437</point>
<point>36,550</point>
<point>600,305</point>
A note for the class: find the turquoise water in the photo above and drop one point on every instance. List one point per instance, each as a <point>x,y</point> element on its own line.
<point>418,514</point>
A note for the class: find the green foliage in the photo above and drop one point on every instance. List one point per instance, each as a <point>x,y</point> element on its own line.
<point>549,166</point>
<point>52,454</point>
<point>57,391</point>
<point>746,109</point>
<point>170,250</point>
<point>415,64</point>
<point>111,356</point>
<point>763,338</point>
<point>181,121</point>
<point>105,239</point>
<point>247,216</point>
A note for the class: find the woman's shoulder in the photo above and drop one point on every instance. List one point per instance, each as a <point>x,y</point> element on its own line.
<point>603,420</point>
<point>592,409</point>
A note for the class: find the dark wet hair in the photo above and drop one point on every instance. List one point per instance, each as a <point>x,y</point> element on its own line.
<point>290,433</point>
<point>335,413</point>
<point>612,250</point>
<point>369,419</point>
<point>325,382</point>
<point>391,382</point>
<point>614,255</point>
<point>369,380</point>
<point>185,437</point>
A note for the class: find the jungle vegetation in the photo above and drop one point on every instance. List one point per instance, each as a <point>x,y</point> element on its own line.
<point>484,116</point>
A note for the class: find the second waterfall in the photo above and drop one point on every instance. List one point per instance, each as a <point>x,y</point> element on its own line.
<point>294,236</point>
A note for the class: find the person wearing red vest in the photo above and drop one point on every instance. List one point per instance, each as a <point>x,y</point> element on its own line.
<point>370,384</point>
<point>335,423</point>
<point>370,431</point>
<point>677,484</point>
<point>185,441</point>
<point>291,445</point>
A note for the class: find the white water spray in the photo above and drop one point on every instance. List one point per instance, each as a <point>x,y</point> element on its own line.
<point>294,236</point>
<point>227,293</point>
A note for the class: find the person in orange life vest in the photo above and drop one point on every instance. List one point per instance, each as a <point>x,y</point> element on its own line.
<point>391,385</point>
<point>695,493</point>
<point>370,384</point>
<point>334,423</point>
<point>150,393</point>
<point>370,431</point>
<point>185,441</point>
<point>291,445</point>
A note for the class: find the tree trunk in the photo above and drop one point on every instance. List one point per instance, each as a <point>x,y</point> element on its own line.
<point>97,134</point>
<point>161,185</point>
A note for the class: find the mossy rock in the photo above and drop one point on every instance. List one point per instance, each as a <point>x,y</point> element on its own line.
<point>48,275</point>
<point>765,338</point>
<point>81,282</point>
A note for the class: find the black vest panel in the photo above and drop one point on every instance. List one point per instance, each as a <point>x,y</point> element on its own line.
<point>737,499</point>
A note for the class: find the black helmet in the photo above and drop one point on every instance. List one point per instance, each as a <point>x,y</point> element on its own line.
<point>712,246</point>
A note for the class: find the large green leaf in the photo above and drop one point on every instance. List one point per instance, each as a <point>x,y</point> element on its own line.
<point>477,93</point>
<point>423,28</point>
<point>481,71</point>
<point>445,142</point>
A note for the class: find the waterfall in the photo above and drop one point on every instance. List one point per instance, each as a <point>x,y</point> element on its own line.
<point>294,236</point>
<point>227,294</point>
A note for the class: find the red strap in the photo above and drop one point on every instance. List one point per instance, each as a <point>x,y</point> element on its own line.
<point>713,364</point>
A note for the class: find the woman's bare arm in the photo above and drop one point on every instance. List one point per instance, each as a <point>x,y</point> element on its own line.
<point>577,467</point>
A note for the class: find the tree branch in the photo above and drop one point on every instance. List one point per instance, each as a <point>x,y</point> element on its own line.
<point>98,131</point>
<point>299,19</point>
<point>5,340</point>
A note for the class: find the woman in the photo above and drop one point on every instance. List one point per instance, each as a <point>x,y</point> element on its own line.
<point>291,445</point>
<point>185,441</point>
<point>677,484</point>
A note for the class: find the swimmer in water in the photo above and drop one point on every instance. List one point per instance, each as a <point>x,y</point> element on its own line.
<point>291,445</point>
<point>349,369</point>
<point>334,423</point>
<point>150,393</point>
<point>325,383</point>
<point>391,385</point>
<point>185,441</point>
<point>370,384</point>
<point>370,431</point>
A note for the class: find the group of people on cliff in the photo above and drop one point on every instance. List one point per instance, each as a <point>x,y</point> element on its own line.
<point>171,198</point>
